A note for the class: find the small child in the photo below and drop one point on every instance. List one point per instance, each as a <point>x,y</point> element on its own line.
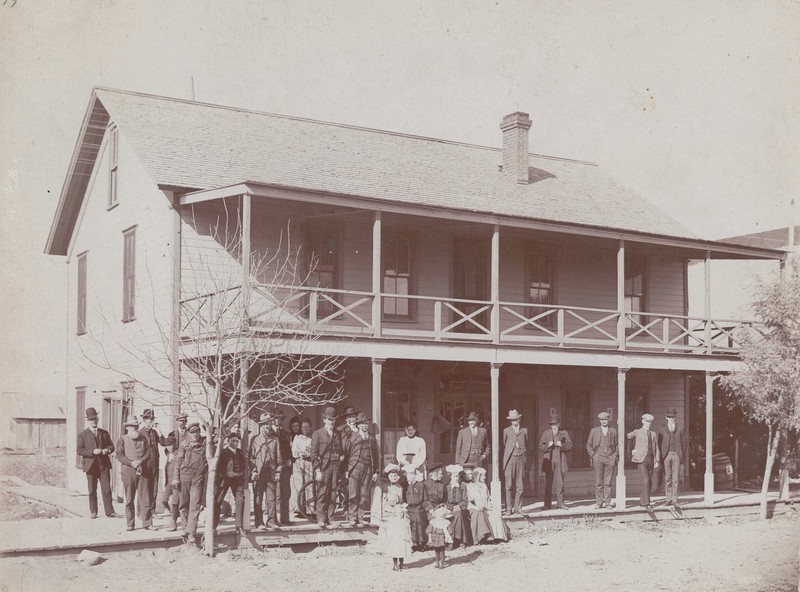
<point>395,529</point>
<point>438,532</point>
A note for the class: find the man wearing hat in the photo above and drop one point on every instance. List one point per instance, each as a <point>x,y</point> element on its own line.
<point>349,425</point>
<point>231,476</point>
<point>554,443</point>
<point>191,471</point>
<point>133,452</point>
<point>265,472</point>
<point>282,489</point>
<point>361,452</point>
<point>152,467</point>
<point>601,446</point>
<point>326,455</point>
<point>472,444</point>
<point>645,454</point>
<point>515,450</point>
<point>179,435</point>
<point>673,444</point>
<point>95,447</point>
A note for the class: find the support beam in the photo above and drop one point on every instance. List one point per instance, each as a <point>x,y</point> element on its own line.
<point>621,295</point>
<point>377,385</point>
<point>496,489</point>
<point>621,485</point>
<point>175,333</point>
<point>244,429</point>
<point>246,243</point>
<point>707,300</point>
<point>495,284</point>
<point>377,273</point>
<point>708,489</point>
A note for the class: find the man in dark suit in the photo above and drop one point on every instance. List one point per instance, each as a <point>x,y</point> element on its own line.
<point>555,443</point>
<point>282,489</point>
<point>95,447</point>
<point>515,452</point>
<point>472,444</point>
<point>673,445</point>
<point>232,475</point>
<point>361,452</point>
<point>153,465</point>
<point>265,466</point>
<point>326,454</point>
<point>601,446</point>
<point>646,455</point>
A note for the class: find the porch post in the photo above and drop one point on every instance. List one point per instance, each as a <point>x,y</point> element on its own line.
<point>495,284</point>
<point>376,274</point>
<point>376,506</point>
<point>621,492</point>
<point>621,295</point>
<point>707,301</point>
<point>496,489</point>
<point>175,334</point>
<point>244,430</point>
<point>246,251</point>
<point>708,490</point>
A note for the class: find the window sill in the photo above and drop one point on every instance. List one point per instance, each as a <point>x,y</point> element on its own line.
<point>400,320</point>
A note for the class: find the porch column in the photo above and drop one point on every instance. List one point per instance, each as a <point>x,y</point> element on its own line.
<point>376,275</point>
<point>708,490</point>
<point>496,489</point>
<point>175,333</point>
<point>495,284</point>
<point>244,430</point>
<point>707,301</point>
<point>621,295</point>
<point>376,506</point>
<point>246,202</point>
<point>621,491</point>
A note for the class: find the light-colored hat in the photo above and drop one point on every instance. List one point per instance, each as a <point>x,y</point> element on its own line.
<point>603,415</point>
<point>132,422</point>
<point>514,414</point>
<point>479,471</point>
<point>648,417</point>
<point>454,469</point>
<point>391,468</point>
<point>409,468</point>
<point>264,418</point>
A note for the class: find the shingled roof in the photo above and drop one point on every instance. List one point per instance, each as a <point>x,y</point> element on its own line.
<point>202,146</point>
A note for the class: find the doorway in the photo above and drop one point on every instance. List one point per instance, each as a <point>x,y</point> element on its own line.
<point>458,396</point>
<point>471,282</point>
<point>115,413</point>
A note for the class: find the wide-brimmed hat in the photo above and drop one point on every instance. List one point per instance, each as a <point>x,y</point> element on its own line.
<point>603,415</point>
<point>514,414</point>
<point>349,411</point>
<point>479,471</point>
<point>391,468</point>
<point>91,413</point>
<point>148,414</point>
<point>672,412</point>
<point>131,422</point>
<point>648,417</point>
<point>264,418</point>
<point>472,417</point>
<point>454,469</point>
<point>554,420</point>
<point>361,418</point>
<point>434,467</point>
<point>329,413</point>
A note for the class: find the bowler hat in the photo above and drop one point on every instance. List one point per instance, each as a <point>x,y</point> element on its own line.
<point>329,413</point>
<point>648,417</point>
<point>131,422</point>
<point>148,414</point>
<point>603,415</point>
<point>361,418</point>
<point>554,420</point>
<point>472,416</point>
<point>91,413</point>
<point>514,414</point>
<point>672,412</point>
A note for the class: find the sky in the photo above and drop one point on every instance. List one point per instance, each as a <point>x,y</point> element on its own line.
<point>694,105</point>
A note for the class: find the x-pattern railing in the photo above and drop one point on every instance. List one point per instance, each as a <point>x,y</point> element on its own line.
<point>465,320</point>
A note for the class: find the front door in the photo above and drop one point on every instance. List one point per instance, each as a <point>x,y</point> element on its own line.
<point>471,282</point>
<point>459,396</point>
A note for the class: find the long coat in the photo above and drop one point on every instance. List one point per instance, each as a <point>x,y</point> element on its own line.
<point>464,444</point>
<point>510,439</point>
<point>555,457</point>
<point>354,444</point>
<point>86,445</point>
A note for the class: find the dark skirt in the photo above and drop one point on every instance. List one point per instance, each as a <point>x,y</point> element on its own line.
<point>481,529</point>
<point>419,523</point>
<point>459,527</point>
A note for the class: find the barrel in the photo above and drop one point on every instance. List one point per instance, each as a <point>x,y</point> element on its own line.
<point>723,471</point>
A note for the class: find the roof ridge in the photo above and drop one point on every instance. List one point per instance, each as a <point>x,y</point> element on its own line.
<point>334,124</point>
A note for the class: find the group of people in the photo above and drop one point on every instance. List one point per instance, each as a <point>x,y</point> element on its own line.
<point>425,505</point>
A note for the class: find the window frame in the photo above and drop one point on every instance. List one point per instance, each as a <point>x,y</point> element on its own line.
<point>539,250</point>
<point>113,158</point>
<point>82,281</point>
<point>313,236</point>
<point>411,315</point>
<point>129,275</point>
<point>638,260</point>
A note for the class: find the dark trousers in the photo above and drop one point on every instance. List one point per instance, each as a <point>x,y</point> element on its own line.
<point>273,499</point>
<point>192,492</point>
<point>326,502</point>
<point>515,482</point>
<point>103,475</point>
<point>136,485</point>
<point>603,472</point>
<point>237,487</point>
<point>646,471</point>
<point>266,492</point>
<point>672,476</point>
<point>358,487</point>
<point>285,494</point>
<point>153,489</point>
<point>553,479</point>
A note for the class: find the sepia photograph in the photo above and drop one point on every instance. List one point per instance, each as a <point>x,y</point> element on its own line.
<point>400,296</point>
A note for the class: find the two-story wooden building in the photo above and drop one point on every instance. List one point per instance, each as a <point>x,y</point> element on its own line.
<point>453,277</point>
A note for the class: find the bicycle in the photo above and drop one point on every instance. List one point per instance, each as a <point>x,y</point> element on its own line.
<point>307,499</point>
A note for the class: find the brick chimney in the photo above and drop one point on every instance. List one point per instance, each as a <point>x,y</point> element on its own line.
<point>515,145</point>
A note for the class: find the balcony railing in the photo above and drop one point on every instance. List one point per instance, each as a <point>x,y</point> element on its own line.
<point>325,311</point>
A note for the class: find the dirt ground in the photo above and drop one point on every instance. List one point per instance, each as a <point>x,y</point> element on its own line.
<point>32,469</point>
<point>15,507</point>
<point>735,554</point>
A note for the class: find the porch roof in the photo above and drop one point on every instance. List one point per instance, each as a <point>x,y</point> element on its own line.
<point>198,146</point>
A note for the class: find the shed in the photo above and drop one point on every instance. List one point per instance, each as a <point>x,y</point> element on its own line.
<point>31,422</point>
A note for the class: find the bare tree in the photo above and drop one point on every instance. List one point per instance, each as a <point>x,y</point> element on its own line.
<point>768,389</point>
<point>243,343</point>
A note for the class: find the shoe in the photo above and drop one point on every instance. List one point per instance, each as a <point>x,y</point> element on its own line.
<point>93,515</point>
<point>598,506</point>
<point>129,528</point>
<point>172,528</point>
<point>562,507</point>
<point>113,515</point>
<point>148,528</point>
<point>649,507</point>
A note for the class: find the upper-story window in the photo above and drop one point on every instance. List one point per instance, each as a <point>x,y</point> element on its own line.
<point>397,276</point>
<point>113,158</point>
<point>81,301</point>
<point>323,267</point>
<point>129,275</point>
<point>539,284</point>
<point>635,284</point>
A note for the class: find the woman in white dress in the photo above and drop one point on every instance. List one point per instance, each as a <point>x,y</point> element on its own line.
<point>411,450</point>
<point>302,470</point>
<point>395,531</point>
